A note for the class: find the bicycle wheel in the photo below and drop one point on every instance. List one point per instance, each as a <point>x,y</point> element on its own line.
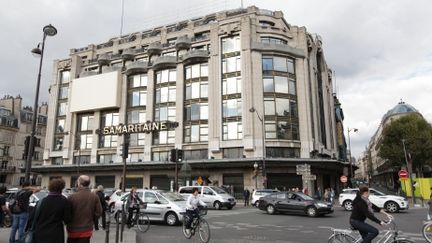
<point>143,222</point>
<point>204,230</point>
<point>341,238</point>
<point>427,231</point>
<point>185,233</point>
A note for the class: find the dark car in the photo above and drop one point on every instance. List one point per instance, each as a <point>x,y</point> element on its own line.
<point>294,202</point>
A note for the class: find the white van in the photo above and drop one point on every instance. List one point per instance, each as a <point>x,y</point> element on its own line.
<point>213,196</point>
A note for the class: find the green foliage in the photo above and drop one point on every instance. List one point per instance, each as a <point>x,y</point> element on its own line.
<point>417,133</point>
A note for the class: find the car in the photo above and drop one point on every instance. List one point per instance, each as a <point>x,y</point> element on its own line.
<point>257,194</point>
<point>390,203</point>
<point>295,203</point>
<point>34,198</point>
<point>116,196</point>
<point>168,207</point>
<point>212,196</point>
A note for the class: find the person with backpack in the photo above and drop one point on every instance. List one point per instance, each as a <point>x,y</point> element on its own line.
<point>19,207</point>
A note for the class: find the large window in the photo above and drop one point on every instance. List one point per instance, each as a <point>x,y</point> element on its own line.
<point>62,109</point>
<point>232,153</point>
<point>280,152</point>
<point>85,126</point>
<point>109,119</point>
<point>137,87</point>
<point>280,100</point>
<point>196,103</point>
<point>273,40</point>
<point>65,76</point>
<point>231,89</point>
<point>195,154</point>
<point>165,106</point>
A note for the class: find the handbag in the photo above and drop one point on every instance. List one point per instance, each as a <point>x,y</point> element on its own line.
<point>28,236</point>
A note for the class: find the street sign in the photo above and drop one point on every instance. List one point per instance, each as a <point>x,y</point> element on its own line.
<point>403,174</point>
<point>343,179</point>
<point>309,177</point>
<point>303,169</point>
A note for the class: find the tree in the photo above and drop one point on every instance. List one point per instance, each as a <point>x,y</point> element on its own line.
<point>417,133</point>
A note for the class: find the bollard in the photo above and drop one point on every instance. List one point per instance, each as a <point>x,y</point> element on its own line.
<point>107,226</point>
<point>123,215</point>
<point>117,227</point>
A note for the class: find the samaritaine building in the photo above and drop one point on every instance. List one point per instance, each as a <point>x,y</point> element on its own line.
<point>209,86</point>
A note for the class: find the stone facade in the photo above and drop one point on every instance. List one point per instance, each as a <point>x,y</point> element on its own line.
<point>240,59</point>
<point>15,125</point>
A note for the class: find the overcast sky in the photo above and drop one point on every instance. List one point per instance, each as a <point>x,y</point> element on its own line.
<point>380,50</point>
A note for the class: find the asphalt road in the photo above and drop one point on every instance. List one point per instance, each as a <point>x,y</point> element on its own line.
<point>252,225</point>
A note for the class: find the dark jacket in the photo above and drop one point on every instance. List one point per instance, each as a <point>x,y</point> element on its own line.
<point>102,199</point>
<point>361,212</point>
<point>54,211</point>
<point>131,200</point>
<point>85,208</point>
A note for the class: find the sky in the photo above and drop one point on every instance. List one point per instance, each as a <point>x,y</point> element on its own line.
<point>379,50</point>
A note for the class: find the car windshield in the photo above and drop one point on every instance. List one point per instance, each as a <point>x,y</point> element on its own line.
<point>305,197</point>
<point>171,196</point>
<point>218,190</point>
<point>376,193</point>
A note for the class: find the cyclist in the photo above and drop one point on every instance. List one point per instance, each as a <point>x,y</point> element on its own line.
<point>362,209</point>
<point>133,204</point>
<point>192,204</point>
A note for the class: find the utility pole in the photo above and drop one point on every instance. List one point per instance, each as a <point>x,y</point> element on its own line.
<point>125,154</point>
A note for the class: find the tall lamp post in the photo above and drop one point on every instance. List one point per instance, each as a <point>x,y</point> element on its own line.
<point>261,118</point>
<point>256,175</point>
<point>48,30</point>
<point>349,146</point>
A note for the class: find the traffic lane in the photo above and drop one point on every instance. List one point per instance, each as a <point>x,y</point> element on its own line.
<point>253,225</point>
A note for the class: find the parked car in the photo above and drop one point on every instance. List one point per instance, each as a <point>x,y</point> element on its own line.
<point>257,194</point>
<point>116,196</point>
<point>34,198</point>
<point>390,203</point>
<point>168,207</point>
<point>294,202</point>
<point>213,196</point>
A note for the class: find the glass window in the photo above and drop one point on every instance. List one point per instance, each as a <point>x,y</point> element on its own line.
<point>110,119</point>
<point>137,139</point>
<point>269,106</point>
<point>204,112</point>
<point>188,72</point>
<point>150,197</point>
<point>281,84</point>
<point>232,107</point>
<point>204,70</point>
<point>195,112</point>
<point>195,71</point>
<point>267,63</point>
<point>139,98</point>
<point>232,130</point>
<point>85,122</point>
<point>268,85</point>
<point>292,87</point>
<point>64,92</point>
<point>232,153</point>
<point>65,76</point>
<point>62,109</point>
<point>195,90</point>
<point>204,90</point>
<point>86,141</point>
<point>231,44</point>
<point>291,68</point>
<point>280,64</point>
<point>136,116</point>
<point>282,107</point>
<point>58,143</point>
<point>139,80</point>
<point>60,125</point>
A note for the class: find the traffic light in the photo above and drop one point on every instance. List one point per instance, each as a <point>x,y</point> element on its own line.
<point>173,155</point>
<point>179,155</point>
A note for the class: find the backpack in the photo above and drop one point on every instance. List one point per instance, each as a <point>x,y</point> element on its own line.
<point>15,204</point>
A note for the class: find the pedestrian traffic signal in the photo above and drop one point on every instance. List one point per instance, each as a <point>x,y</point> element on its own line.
<point>125,147</point>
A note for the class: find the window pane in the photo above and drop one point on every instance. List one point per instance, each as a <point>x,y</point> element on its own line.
<point>164,94</point>
<point>195,71</point>
<point>281,84</point>
<point>195,133</point>
<point>269,107</point>
<point>172,94</point>
<point>280,64</point>
<point>231,64</point>
<point>232,130</point>
<point>267,64</point>
<point>291,66</point>
<point>195,112</point>
<point>238,64</point>
<point>188,72</point>
<point>204,90</point>
<point>165,77</point>
<point>204,70</point>
<point>282,107</point>
<point>231,85</point>
<point>60,125</point>
<point>268,85</point>
<point>64,92</point>
<point>195,90</point>
<point>135,98</point>
<point>204,112</point>
<point>172,75</point>
<point>143,98</point>
<point>163,114</point>
<point>188,92</point>
<point>292,87</point>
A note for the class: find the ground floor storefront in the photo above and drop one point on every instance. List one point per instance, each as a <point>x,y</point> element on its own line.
<point>234,176</point>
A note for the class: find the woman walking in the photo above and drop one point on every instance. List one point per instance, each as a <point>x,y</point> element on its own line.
<point>55,211</point>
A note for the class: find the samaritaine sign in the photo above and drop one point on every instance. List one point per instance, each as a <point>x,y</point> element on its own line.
<point>139,127</point>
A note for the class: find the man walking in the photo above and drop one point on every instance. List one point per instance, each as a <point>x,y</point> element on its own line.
<point>101,196</point>
<point>86,207</point>
<point>20,213</point>
<point>246,194</point>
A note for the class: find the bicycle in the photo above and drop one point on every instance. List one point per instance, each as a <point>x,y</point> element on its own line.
<point>391,235</point>
<point>427,231</point>
<point>140,219</point>
<point>198,223</point>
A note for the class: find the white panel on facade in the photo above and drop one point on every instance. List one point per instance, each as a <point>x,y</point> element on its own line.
<point>96,92</point>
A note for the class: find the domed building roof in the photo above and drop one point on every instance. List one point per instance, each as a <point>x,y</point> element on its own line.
<point>401,107</point>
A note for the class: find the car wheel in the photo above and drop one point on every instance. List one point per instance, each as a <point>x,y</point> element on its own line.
<point>171,219</point>
<point>392,207</point>
<point>271,209</point>
<point>218,205</point>
<point>311,211</point>
<point>256,204</point>
<point>348,205</point>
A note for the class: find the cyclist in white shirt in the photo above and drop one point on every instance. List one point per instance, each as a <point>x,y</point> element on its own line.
<point>192,204</point>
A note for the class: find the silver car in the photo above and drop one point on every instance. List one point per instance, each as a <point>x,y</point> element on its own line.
<point>168,207</point>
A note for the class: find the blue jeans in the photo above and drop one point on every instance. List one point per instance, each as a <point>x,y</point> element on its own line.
<point>19,222</point>
<point>367,231</point>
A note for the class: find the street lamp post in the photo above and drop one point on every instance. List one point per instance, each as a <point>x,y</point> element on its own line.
<point>261,118</point>
<point>48,30</point>
<point>349,146</point>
